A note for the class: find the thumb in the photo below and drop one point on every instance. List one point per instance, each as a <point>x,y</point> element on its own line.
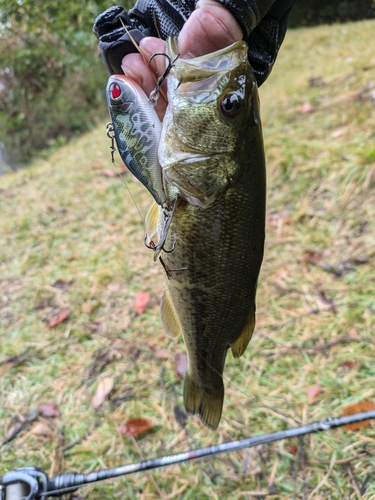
<point>209,28</point>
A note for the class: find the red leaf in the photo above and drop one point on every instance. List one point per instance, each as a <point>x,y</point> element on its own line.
<point>311,256</point>
<point>141,301</point>
<point>60,317</point>
<point>347,365</point>
<point>48,409</point>
<point>135,426</point>
<point>180,361</point>
<point>313,392</point>
<point>358,408</point>
<point>291,448</point>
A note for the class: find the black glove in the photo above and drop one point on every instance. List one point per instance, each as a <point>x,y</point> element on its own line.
<point>263,22</point>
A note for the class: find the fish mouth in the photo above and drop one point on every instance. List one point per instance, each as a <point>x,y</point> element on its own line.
<point>202,67</point>
<point>186,159</point>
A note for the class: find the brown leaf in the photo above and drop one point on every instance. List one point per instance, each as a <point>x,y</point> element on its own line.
<point>358,408</point>
<point>48,409</point>
<point>338,132</point>
<point>73,256</point>
<point>162,353</point>
<point>96,166</point>
<point>180,361</point>
<point>41,429</point>
<point>141,301</point>
<point>304,108</point>
<point>62,285</point>
<point>135,426</point>
<point>311,256</point>
<point>323,297</point>
<point>13,431</point>
<point>313,392</point>
<point>60,317</point>
<point>109,172</point>
<point>104,388</point>
<point>291,448</point>
<point>347,365</point>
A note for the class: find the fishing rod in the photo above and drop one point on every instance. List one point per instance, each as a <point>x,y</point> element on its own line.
<point>30,483</point>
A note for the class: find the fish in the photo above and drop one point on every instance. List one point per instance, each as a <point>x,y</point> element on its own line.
<point>137,131</point>
<point>212,160</point>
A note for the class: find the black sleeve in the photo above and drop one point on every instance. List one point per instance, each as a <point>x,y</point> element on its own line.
<point>263,22</point>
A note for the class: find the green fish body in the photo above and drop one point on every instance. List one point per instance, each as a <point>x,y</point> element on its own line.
<point>212,159</point>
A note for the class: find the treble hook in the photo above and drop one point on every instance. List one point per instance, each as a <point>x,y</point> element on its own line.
<point>154,96</point>
<point>111,134</point>
<point>167,219</point>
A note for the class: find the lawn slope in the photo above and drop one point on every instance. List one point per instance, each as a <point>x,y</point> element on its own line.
<point>71,239</point>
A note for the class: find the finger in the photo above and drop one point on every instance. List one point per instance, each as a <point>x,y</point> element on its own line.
<point>134,67</point>
<point>209,28</point>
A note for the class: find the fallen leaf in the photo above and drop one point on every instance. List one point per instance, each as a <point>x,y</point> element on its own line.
<point>358,408</point>
<point>73,256</point>
<point>60,317</point>
<point>180,361</point>
<point>135,426</point>
<point>323,297</point>
<point>104,388</point>
<point>291,448</point>
<point>48,409</point>
<point>13,431</point>
<point>180,415</point>
<point>311,256</point>
<point>109,172</point>
<point>338,132</point>
<point>96,166</point>
<point>141,301</point>
<point>304,108</point>
<point>41,429</point>
<point>347,365</point>
<point>162,354</point>
<point>62,285</point>
<point>313,392</point>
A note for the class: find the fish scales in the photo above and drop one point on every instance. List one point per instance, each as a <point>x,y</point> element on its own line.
<point>213,162</point>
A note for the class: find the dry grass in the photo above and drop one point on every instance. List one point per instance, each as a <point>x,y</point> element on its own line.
<point>61,220</point>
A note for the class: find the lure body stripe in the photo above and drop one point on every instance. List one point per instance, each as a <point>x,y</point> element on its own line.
<point>137,130</point>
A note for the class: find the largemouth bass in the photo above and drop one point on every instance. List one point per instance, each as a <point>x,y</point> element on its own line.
<point>212,159</point>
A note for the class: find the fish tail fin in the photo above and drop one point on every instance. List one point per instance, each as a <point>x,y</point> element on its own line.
<point>208,404</point>
<point>239,346</point>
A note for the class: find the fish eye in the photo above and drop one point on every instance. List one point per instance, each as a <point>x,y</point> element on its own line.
<point>229,105</point>
<point>115,91</point>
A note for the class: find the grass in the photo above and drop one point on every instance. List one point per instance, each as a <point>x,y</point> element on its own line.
<point>62,220</point>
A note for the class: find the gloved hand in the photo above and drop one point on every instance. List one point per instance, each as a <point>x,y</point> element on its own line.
<point>263,24</point>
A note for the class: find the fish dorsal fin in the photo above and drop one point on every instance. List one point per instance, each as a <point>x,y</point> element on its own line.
<point>239,346</point>
<point>152,219</point>
<point>169,317</point>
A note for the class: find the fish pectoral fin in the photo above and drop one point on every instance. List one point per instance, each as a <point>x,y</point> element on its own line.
<point>169,317</point>
<point>208,404</point>
<point>239,346</point>
<point>151,221</point>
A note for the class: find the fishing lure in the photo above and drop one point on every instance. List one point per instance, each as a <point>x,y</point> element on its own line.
<point>137,129</point>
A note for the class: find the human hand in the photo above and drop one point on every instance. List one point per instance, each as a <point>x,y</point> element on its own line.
<point>209,28</point>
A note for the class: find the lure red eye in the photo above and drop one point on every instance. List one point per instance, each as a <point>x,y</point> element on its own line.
<point>115,91</point>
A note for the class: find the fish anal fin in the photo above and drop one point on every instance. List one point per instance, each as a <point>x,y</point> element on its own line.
<point>239,346</point>
<point>169,317</point>
<point>208,404</point>
<point>152,220</point>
